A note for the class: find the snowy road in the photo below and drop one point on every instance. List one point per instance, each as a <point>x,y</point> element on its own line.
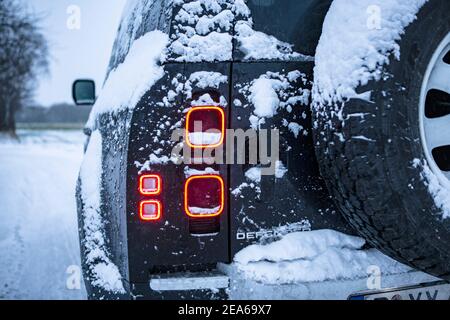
<point>39,250</point>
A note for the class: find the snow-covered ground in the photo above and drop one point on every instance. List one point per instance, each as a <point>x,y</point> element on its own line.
<point>39,250</point>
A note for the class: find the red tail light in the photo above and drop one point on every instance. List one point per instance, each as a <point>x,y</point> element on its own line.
<point>150,185</point>
<point>150,210</point>
<point>205,127</point>
<point>204,196</point>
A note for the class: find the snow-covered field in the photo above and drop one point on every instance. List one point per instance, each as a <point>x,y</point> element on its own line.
<point>39,250</point>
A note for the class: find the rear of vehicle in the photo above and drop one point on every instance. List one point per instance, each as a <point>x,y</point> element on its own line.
<point>172,214</point>
<point>202,144</point>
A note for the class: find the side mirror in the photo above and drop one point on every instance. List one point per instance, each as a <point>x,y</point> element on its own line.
<point>83,92</point>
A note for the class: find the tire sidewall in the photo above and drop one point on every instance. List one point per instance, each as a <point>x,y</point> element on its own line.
<point>417,46</point>
<point>374,181</point>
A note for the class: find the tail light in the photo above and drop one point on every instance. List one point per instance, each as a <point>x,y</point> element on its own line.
<point>150,210</point>
<point>150,185</point>
<point>204,196</point>
<point>205,127</point>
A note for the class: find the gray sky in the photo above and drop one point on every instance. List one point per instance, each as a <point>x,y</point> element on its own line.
<point>82,53</point>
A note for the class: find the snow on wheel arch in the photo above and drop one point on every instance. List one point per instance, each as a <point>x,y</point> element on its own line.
<point>103,272</point>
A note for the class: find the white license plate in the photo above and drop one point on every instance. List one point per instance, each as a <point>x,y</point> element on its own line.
<point>429,291</point>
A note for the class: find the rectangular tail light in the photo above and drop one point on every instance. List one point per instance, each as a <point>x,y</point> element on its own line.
<point>150,210</point>
<point>205,127</point>
<point>204,196</point>
<point>150,185</point>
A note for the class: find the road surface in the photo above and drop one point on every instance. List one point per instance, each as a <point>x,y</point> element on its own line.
<point>39,250</point>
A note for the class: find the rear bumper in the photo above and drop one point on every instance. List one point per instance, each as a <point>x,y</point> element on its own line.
<point>241,288</point>
<point>187,286</point>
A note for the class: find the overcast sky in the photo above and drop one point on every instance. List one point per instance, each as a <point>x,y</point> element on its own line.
<point>82,53</point>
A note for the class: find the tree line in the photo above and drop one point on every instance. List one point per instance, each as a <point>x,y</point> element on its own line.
<point>24,56</point>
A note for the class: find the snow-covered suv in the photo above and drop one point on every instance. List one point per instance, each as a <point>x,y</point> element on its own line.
<point>364,85</point>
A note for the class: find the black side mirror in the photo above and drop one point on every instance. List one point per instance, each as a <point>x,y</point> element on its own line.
<point>83,92</point>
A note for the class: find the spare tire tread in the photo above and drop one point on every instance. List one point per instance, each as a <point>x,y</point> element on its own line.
<point>363,207</point>
<point>369,178</point>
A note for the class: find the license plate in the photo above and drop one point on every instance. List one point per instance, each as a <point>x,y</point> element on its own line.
<point>428,291</point>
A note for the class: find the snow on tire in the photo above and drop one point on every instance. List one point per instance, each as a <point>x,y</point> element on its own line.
<point>382,125</point>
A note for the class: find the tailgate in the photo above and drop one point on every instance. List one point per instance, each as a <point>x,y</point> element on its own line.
<point>294,197</point>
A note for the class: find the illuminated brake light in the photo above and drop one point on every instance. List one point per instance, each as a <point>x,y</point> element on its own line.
<point>205,127</point>
<point>204,196</point>
<point>150,185</point>
<point>150,210</point>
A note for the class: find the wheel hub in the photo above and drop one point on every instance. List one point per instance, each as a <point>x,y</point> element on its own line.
<point>435,112</point>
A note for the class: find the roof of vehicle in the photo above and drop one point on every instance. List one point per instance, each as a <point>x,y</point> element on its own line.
<point>223,30</point>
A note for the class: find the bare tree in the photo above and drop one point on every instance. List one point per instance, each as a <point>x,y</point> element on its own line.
<point>23,56</point>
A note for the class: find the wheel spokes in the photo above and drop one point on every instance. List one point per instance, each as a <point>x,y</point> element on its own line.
<point>435,112</point>
<point>440,77</point>
<point>437,131</point>
<point>437,104</point>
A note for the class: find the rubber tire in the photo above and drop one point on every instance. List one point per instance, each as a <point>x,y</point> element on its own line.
<point>374,183</point>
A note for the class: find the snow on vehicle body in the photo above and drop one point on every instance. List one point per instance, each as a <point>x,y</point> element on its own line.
<point>211,56</point>
<point>163,203</point>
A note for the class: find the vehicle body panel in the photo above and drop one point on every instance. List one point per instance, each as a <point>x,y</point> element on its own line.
<point>170,241</point>
<point>296,202</point>
<point>298,22</point>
